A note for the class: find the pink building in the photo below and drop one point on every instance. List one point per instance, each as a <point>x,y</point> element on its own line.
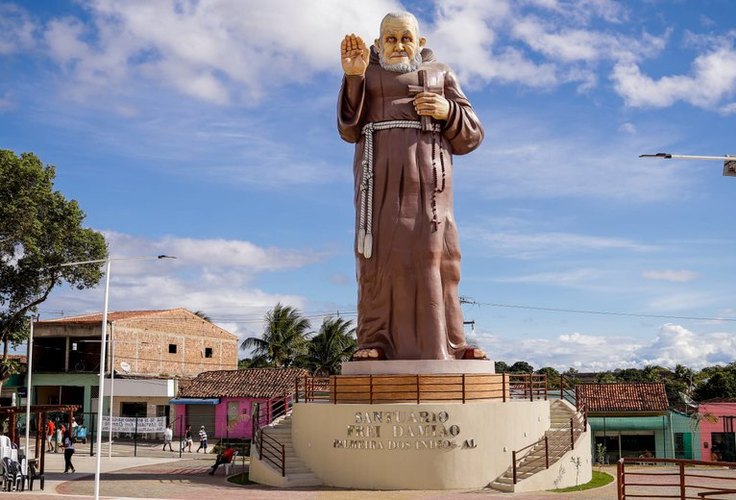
<point>224,400</point>
<point>717,430</point>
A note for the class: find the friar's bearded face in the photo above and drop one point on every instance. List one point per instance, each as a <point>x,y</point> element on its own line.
<point>399,48</point>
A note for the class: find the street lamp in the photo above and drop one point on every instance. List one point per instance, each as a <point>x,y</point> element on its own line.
<point>729,162</point>
<point>103,348</point>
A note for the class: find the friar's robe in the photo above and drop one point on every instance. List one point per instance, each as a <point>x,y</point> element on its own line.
<point>408,302</point>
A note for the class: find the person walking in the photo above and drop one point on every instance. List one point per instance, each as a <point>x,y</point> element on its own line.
<point>202,439</point>
<point>188,439</point>
<point>51,435</point>
<point>168,436</point>
<point>68,452</point>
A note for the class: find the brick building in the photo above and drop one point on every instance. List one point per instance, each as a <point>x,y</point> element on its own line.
<point>149,352</point>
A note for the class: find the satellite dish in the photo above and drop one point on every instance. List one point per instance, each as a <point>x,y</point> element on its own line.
<point>125,367</point>
<point>688,400</point>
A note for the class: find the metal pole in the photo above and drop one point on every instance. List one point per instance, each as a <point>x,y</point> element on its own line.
<point>135,439</point>
<point>101,390</point>
<point>687,157</point>
<point>112,386</point>
<point>29,355</point>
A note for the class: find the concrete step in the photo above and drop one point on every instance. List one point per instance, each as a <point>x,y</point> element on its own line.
<point>507,488</point>
<point>302,479</point>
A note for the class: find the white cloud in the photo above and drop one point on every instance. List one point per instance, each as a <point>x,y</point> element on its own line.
<point>6,101</point>
<point>498,238</point>
<point>675,344</point>
<point>672,345</point>
<point>545,158</point>
<point>712,79</point>
<point>676,276</point>
<point>628,128</point>
<point>218,51</point>
<point>16,29</point>
<point>215,276</point>
<point>475,55</point>
<point>685,301</point>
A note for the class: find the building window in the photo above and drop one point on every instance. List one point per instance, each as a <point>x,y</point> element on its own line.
<point>207,352</point>
<point>172,348</point>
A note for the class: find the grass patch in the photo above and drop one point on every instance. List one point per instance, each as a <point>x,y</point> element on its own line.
<point>599,479</point>
<point>241,478</point>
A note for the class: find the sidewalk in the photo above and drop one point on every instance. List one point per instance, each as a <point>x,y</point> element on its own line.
<point>153,474</point>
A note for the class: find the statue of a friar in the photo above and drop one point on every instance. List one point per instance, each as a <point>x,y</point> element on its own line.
<point>407,116</point>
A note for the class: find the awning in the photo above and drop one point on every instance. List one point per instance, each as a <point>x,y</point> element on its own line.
<point>195,401</point>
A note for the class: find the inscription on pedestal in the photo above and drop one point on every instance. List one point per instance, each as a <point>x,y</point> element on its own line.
<point>403,430</point>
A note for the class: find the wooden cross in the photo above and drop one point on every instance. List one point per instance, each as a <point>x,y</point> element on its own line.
<point>425,86</point>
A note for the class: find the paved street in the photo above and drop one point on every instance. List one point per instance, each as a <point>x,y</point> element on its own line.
<point>168,477</point>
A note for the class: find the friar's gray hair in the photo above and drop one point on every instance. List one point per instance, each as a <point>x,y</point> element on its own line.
<point>412,65</point>
<point>401,15</point>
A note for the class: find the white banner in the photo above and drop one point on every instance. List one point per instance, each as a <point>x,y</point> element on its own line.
<point>128,424</point>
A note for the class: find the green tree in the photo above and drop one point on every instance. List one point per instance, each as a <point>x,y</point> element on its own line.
<point>501,367</point>
<point>39,231</point>
<point>721,384</point>
<point>334,344</point>
<point>284,340</point>
<point>257,362</point>
<point>553,376</point>
<point>521,367</point>
<point>605,378</point>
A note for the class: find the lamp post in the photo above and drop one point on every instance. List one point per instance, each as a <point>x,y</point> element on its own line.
<point>729,161</point>
<point>29,362</point>
<point>103,349</point>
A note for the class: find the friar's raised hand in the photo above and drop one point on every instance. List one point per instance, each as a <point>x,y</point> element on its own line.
<point>354,55</point>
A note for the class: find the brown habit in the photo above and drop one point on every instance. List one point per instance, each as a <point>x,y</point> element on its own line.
<point>408,302</point>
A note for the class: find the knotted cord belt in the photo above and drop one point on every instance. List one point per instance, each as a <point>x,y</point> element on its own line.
<point>365,224</point>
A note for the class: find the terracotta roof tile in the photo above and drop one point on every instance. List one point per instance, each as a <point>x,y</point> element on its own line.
<point>622,398</point>
<point>249,383</point>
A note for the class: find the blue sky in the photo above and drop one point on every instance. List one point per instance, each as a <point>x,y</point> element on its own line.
<point>206,130</point>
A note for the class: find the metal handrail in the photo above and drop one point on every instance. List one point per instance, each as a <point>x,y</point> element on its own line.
<point>269,449</point>
<point>686,480</point>
<point>580,418</point>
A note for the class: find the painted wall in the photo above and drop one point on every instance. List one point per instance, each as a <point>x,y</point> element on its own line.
<point>663,428</point>
<point>717,410</point>
<point>340,443</point>
<point>689,428</point>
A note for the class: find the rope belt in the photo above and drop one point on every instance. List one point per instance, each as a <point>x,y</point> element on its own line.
<point>365,224</point>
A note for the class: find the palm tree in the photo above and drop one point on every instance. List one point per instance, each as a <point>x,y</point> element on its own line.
<point>334,344</point>
<point>284,340</point>
<point>203,315</point>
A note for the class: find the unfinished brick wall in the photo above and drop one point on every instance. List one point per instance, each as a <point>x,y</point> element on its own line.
<point>144,343</point>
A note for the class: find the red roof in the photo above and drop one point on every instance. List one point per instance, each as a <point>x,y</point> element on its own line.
<point>248,383</point>
<point>622,398</point>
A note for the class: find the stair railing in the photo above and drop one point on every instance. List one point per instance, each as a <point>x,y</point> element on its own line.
<point>578,424</point>
<point>269,449</point>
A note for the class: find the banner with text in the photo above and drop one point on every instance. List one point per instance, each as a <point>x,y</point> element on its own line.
<point>128,424</point>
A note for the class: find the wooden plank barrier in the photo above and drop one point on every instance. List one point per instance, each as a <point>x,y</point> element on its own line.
<point>416,388</point>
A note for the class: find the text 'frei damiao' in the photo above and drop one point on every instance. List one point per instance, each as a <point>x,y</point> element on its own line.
<point>403,430</point>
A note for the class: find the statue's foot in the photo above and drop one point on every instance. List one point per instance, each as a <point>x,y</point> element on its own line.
<point>369,354</point>
<point>473,353</point>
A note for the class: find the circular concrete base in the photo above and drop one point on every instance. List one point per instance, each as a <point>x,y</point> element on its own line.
<point>426,446</point>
